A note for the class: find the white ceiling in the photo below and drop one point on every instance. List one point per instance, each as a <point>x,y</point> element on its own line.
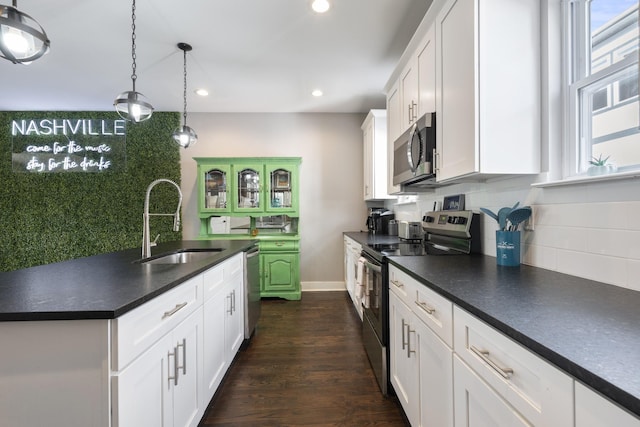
<point>252,55</point>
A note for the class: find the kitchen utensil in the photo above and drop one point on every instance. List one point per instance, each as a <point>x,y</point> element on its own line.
<point>502,217</point>
<point>517,216</point>
<point>490,213</point>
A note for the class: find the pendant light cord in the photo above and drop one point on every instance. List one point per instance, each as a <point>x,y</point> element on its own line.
<point>184,115</point>
<point>133,44</point>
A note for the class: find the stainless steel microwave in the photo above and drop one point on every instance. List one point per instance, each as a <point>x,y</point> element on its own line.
<point>413,153</point>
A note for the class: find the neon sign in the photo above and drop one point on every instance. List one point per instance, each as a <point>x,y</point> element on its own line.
<point>68,145</point>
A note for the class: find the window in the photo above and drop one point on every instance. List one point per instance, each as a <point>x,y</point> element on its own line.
<point>602,93</point>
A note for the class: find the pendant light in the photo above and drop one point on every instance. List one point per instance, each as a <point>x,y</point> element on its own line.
<point>185,136</point>
<point>131,105</point>
<point>22,38</point>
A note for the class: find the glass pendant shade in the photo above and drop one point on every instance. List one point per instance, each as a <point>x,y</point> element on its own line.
<point>133,106</point>
<point>22,39</point>
<point>185,136</point>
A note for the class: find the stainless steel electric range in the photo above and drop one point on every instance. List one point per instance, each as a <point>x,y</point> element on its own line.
<point>446,233</point>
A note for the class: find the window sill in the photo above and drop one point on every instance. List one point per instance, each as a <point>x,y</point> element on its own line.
<point>585,179</point>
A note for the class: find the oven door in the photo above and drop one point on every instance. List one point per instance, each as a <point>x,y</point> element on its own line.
<point>374,325</point>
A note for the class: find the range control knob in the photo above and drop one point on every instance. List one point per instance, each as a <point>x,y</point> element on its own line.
<point>451,219</point>
<point>461,220</point>
<point>427,218</point>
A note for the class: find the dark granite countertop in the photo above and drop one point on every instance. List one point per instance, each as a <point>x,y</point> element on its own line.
<point>102,286</point>
<point>588,329</point>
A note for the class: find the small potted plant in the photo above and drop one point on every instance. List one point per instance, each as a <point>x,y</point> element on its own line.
<point>599,166</point>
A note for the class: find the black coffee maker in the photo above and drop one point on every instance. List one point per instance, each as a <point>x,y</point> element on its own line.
<point>378,220</point>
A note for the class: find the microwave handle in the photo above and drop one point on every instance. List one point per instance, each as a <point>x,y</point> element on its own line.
<point>413,165</point>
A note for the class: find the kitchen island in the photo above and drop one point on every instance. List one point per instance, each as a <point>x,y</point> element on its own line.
<point>589,330</point>
<point>107,340</point>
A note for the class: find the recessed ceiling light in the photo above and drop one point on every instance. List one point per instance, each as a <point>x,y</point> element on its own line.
<point>317,93</point>
<point>202,92</point>
<point>320,6</point>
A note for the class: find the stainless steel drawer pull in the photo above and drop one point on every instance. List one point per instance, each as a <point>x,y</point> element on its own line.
<point>425,307</point>
<point>484,355</point>
<point>397,284</point>
<point>175,309</point>
<point>230,296</point>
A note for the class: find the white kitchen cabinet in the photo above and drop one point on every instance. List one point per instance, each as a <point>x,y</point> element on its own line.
<point>409,90</point>
<point>404,365</point>
<point>421,362</point>
<point>487,88</point>
<point>162,386</point>
<point>352,251</point>
<point>593,410</point>
<point>224,328</point>
<point>374,133</point>
<point>394,116</point>
<point>539,393</point>
<point>426,63</point>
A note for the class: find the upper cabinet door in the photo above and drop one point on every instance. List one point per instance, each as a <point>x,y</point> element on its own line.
<point>427,73</point>
<point>249,186</point>
<point>282,187</point>
<point>213,195</point>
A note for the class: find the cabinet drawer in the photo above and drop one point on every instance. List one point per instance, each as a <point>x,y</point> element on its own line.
<point>137,330</point>
<point>221,273</point>
<point>536,389</point>
<point>432,308</point>
<point>279,245</point>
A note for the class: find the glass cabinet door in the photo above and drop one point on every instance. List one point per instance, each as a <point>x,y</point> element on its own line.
<point>248,187</point>
<point>282,188</point>
<point>214,182</point>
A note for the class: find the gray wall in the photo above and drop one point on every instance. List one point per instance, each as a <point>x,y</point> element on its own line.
<point>330,146</point>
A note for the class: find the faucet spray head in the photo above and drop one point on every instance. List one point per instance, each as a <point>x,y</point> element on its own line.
<point>176,222</point>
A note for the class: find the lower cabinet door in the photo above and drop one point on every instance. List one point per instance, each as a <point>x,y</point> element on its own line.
<point>146,393</point>
<point>436,378</point>
<point>215,362</point>
<point>188,404</point>
<point>234,317</point>
<point>280,275</point>
<point>142,393</point>
<point>404,366</point>
<point>478,405</point>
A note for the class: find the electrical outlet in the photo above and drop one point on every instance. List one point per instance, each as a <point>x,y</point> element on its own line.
<point>529,223</point>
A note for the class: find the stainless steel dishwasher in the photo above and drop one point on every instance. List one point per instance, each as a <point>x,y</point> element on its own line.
<point>251,291</point>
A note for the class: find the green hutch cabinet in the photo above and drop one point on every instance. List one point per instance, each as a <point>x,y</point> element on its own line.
<point>255,198</point>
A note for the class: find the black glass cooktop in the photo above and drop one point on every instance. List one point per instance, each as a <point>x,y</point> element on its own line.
<point>415,248</point>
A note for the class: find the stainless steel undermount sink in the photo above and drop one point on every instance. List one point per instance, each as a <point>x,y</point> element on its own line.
<point>182,257</point>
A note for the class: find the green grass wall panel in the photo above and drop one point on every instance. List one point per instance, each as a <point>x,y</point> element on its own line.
<point>50,217</point>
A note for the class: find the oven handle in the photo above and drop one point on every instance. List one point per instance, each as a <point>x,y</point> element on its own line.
<point>376,268</point>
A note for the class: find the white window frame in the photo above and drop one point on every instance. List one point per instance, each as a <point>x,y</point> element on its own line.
<point>575,75</point>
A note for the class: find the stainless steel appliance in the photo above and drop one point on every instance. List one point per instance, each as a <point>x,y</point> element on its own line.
<point>413,154</point>
<point>410,230</point>
<point>378,220</point>
<point>252,291</point>
<point>451,232</point>
<point>445,233</point>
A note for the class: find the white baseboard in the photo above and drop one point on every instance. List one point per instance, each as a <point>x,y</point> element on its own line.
<point>322,286</point>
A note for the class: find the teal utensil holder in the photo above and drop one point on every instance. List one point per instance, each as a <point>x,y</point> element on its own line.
<point>508,248</point>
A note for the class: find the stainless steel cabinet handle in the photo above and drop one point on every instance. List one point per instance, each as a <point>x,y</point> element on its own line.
<point>409,332</point>
<point>404,344</point>
<point>173,311</point>
<point>484,355</point>
<point>397,284</point>
<point>233,301</point>
<point>184,358</point>
<point>230,310</point>
<point>175,366</point>
<point>425,307</point>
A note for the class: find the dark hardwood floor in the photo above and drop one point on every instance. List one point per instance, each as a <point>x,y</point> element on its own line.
<point>306,366</point>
